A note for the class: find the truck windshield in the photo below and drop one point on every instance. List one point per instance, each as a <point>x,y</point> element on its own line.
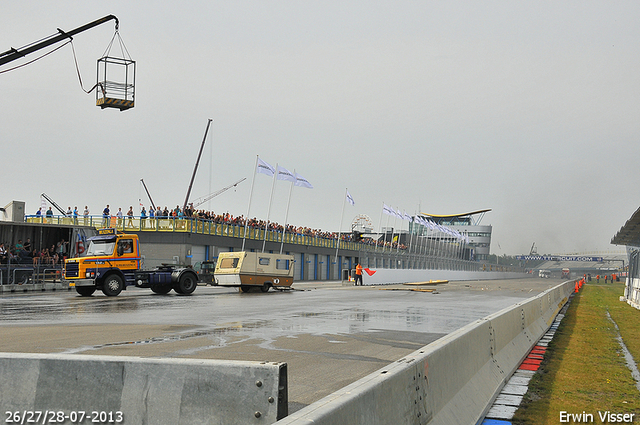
<point>100,248</point>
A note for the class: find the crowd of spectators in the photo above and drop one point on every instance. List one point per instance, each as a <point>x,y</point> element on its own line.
<point>26,253</point>
<point>227,218</point>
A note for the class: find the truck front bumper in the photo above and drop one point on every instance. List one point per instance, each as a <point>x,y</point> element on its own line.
<point>81,282</point>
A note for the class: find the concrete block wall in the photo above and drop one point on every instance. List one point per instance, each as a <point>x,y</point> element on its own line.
<point>453,380</point>
<point>144,390</point>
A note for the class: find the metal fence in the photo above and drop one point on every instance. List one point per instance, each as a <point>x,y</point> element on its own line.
<point>26,274</point>
<point>430,253</point>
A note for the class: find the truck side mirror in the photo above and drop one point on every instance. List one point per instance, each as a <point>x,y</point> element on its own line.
<point>120,250</point>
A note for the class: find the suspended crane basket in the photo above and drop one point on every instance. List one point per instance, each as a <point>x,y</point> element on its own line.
<point>116,83</point>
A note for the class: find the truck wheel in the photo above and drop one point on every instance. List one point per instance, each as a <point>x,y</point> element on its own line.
<point>22,278</point>
<point>187,284</point>
<point>85,291</point>
<point>161,289</point>
<point>112,285</point>
<point>245,288</point>
<point>265,287</point>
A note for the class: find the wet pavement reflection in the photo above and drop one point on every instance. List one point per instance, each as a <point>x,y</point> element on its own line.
<point>328,335</point>
<point>265,315</point>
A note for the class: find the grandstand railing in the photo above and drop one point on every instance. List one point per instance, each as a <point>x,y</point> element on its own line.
<point>443,255</point>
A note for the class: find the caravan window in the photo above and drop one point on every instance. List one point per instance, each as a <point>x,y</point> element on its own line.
<point>263,261</point>
<point>282,264</point>
<point>229,263</point>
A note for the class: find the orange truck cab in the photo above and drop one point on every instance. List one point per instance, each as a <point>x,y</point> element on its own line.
<point>112,262</point>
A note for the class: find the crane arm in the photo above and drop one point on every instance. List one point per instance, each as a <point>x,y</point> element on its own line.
<point>148,194</point>
<point>44,195</point>
<point>13,54</point>
<point>201,201</point>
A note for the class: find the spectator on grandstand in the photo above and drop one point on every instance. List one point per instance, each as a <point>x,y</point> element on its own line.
<point>119,216</point>
<point>152,214</point>
<point>143,218</point>
<point>130,216</point>
<point>27,245</point>
<point>106,216</point>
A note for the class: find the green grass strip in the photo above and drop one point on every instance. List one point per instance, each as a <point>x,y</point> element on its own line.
<point>584,370</point>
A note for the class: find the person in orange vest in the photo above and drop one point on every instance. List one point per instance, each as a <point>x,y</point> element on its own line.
<point>597,278</point>
<point>358,274</point>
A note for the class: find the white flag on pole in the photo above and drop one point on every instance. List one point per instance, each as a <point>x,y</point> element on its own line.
<point>407,217</point>
<point>265,168</point>
<point>350,198</point>
<point>284,174</point>
<point>387,210</point>
<point>301,181</point>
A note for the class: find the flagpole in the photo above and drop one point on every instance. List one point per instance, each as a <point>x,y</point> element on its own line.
<point>423,233</point>
<point>286,215</point>
<point>385,237</point>
<point>380,227</point>
<point>411,239</point>
<point>246,219</point>
<point>266,224</point>
<point>344,201</point>
<point>395,220</point>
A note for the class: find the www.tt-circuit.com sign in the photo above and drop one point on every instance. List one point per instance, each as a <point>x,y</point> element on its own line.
<point>558,258</point>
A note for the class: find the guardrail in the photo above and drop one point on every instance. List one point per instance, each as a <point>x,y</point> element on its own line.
<point>453,380</point>
<point>85,388</point>
<point>14,276</point>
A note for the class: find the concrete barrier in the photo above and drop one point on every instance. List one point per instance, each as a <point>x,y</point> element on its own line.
<point>453,380</point>
<point>145,390</point>
<point>36,287</point>
<point>389,276</point>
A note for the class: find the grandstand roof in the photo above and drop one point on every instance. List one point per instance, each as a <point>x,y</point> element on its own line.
<point>456,215</point>
<point>471,218</point>
<point>629,234</point>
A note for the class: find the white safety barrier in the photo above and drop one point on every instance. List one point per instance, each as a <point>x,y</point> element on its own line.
<point>453,380</point>
<point>388,276</point>
<point>140,390</point>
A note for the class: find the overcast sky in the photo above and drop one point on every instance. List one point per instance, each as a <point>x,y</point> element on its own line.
<point>527,108</point>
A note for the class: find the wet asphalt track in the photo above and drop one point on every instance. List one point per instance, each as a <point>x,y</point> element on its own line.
<point>330,335</point>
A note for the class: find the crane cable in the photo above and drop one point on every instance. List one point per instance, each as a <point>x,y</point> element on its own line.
<point>75,59</point>
<point>123,49</point>
<point>32,61</point>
